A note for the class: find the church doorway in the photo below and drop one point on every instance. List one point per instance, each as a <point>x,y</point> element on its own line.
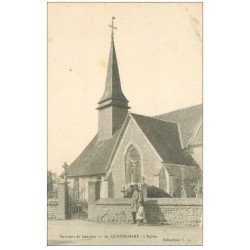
<point>132,166</point>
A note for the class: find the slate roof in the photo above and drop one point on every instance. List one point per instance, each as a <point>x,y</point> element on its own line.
<point>188,120</point>
<point>162,132</point>
<point>164,137</point>
<point>94,157</point>
<point>113,88</point>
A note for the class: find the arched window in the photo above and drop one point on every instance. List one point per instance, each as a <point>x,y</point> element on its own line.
<point>133,165</point>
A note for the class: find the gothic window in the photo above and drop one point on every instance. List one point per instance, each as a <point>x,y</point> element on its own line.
<point>133,166</point>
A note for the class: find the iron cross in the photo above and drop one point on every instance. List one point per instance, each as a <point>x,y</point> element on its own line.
<point>112,27</point>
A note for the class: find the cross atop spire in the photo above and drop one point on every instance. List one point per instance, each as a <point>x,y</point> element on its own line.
<point>113,93</point>
<point>112,27</point>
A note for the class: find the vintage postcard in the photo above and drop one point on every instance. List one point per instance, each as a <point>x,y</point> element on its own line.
<point>125,124</point>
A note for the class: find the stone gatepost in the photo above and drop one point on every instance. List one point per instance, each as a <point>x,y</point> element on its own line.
<point>62,197</point>
<point>92,197</point>
<point>62,208</point>
<point>92,191</point>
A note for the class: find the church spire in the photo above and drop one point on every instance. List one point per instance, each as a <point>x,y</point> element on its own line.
<point>113,92</point>
<point>113,106</point>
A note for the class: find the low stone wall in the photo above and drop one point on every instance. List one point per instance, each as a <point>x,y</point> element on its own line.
<point>176,211</point>
<point>52,209</point>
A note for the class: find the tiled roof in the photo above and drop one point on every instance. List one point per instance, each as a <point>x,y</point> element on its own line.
<point>164,137</point>
<point>94,157</point>
<point>188,120</point>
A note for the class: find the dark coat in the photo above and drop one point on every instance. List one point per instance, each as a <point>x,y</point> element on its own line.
<point>137,198</point>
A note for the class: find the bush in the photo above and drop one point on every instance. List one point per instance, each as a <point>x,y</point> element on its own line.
<point>152,192</point>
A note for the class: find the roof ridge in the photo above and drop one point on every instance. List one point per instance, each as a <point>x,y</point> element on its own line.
<point>176,110</point>
<point>155,118</point>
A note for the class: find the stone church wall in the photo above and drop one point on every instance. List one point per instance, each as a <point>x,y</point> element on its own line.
<point>150,161</point>
<point>174,211</point>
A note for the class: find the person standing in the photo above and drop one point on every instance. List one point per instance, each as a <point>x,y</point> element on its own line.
<point>140,215</point>
<point>137,200</point>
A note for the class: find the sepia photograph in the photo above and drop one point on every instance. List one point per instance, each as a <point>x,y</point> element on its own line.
<point>125,124</point>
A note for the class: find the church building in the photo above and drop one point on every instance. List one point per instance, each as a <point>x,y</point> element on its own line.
<point>163,151</point>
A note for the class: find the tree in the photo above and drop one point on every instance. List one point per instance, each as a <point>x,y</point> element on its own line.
<point>49,182</point>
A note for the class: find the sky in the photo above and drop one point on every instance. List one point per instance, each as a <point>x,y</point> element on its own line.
<point>159,53</point>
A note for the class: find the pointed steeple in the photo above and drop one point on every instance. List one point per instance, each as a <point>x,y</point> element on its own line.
<point>113,106</point>
<point>113,92</point>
